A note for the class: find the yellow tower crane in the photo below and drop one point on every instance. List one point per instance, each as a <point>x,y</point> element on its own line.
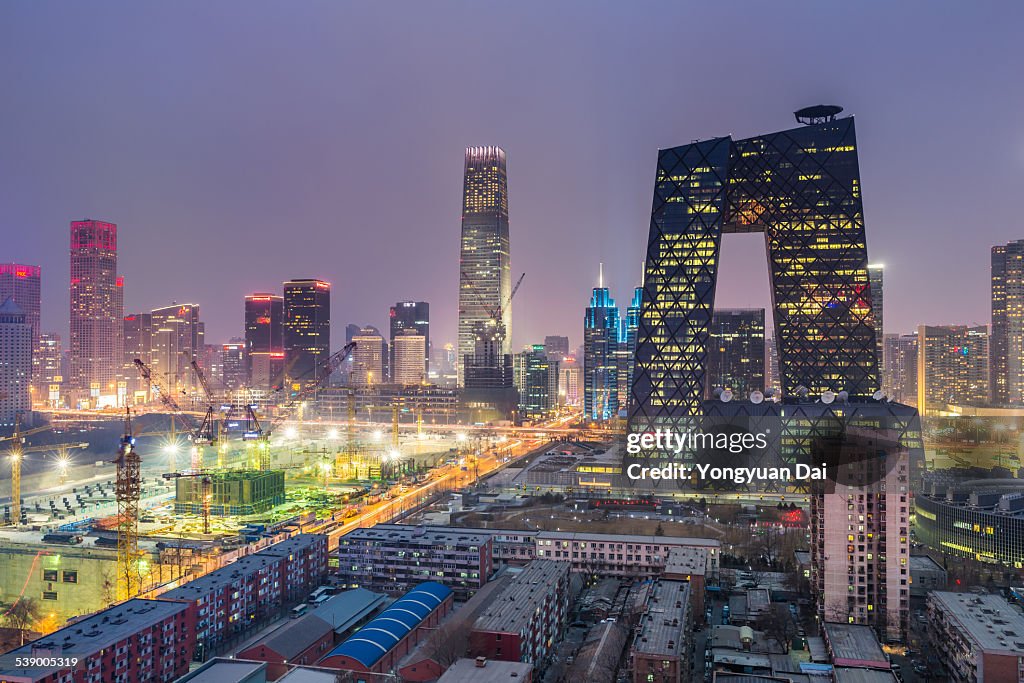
<point>17,453</point>
<point>127,490</point>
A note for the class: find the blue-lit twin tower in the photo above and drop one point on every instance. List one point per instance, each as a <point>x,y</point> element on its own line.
<point>801,189</point>
<point>609,350</point>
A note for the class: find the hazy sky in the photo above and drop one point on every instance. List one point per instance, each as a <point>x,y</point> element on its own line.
<point>239,144</point>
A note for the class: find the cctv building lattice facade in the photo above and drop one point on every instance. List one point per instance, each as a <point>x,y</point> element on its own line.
<point>799,187</point>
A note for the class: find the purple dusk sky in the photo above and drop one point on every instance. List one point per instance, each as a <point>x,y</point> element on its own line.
<point>239,144</point>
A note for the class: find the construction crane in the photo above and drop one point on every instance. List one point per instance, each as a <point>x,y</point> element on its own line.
<point>127,490</point>
<point>196,430</point>
<point>207,492</point>
<point>17,453</point>
<point>207,432</point>
<point>295,398</point>
<point>496,313</point>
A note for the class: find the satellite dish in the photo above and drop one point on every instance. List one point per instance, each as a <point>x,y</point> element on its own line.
<point>802,391</point>
<point>843,396</point>
<point>828,396</point>
<point>717,392</point>
<point>726,396</point>
<point>878,395</point>
<point>756,396</point>
<point>768,393</point>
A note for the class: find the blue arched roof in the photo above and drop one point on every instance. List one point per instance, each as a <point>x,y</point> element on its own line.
<point>373,641</point>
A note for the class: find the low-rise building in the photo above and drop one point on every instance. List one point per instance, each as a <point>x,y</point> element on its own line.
<point>523,621</point>
<point>138,640</point>
<point>305,640</point>
<point>661,649</point>
<point>622,555</point>
<point>977,637</point>
<point>690,564</point>
<point>394,633</point>
<point>483,670</point>
<point>300,641</point>
<point>394,557</point>
<point>854,646</point>
<point>227,670</point>
<point>926,575</point>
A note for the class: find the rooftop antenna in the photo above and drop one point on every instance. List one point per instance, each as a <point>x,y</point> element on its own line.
<point>643,272</point>
<point>600,275</point>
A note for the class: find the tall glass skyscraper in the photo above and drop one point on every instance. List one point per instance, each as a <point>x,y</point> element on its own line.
<point>414,315</point>
<point>22,283</point>
<point>97,312</point>
<point>799,187</point>
<point>485,278</point>
<point>264,346</point>
<point>601,359</point>
<point>307,329</point>
<point>1007,341</point>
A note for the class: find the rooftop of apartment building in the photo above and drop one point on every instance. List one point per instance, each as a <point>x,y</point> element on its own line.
<point>663,625</point>
<point>418,535</point>
<point>223,577</point>
<point>225,670</point>
<point>228,574</point>
<point>686,560</point>
<point>482,670</point>
<point>990,621</point>
<point>97,632</point>
<point>854,644</point>
<point>513,608</point>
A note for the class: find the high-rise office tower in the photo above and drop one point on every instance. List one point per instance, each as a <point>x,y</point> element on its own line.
<point>178,338</point>
<point>233,364</point>
<point>536,379</point>
<point>415,315</point>
<point>1007,342</point>
<point>47,375</point>
<point>801,187</point>
<point>368,358</point>
<point>485,278</point>
<point>264,344</point>
<point>407,351</point>
<point>307,329</point>
<point>138,343</point>
<point>489,391</point>
<point>22,283</point>
<point>568,384</point>
<point>97,309</point>
<point>556,347</point>
<point>601,330</point>
<point>876,277</point>
<point>736,351</point>
<point>629,339</point>
<point>15,363</point>
<point>952,367</point>
<point>899,375</point>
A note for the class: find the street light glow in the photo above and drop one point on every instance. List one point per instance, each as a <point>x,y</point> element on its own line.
<point>290,433</point>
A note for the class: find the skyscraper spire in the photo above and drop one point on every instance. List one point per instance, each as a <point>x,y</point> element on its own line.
<point>600,275</point>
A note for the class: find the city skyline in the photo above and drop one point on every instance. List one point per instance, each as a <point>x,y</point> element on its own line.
<point>319,184</point>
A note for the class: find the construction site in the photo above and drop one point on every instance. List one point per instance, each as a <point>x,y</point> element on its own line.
<point>103,508</point>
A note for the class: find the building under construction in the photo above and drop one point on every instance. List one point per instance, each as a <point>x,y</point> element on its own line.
<point>238,492</point>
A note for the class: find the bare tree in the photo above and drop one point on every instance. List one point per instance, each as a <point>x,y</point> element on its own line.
<point>22,614</point>
<point>449,642</point>
<point>778,624</point>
